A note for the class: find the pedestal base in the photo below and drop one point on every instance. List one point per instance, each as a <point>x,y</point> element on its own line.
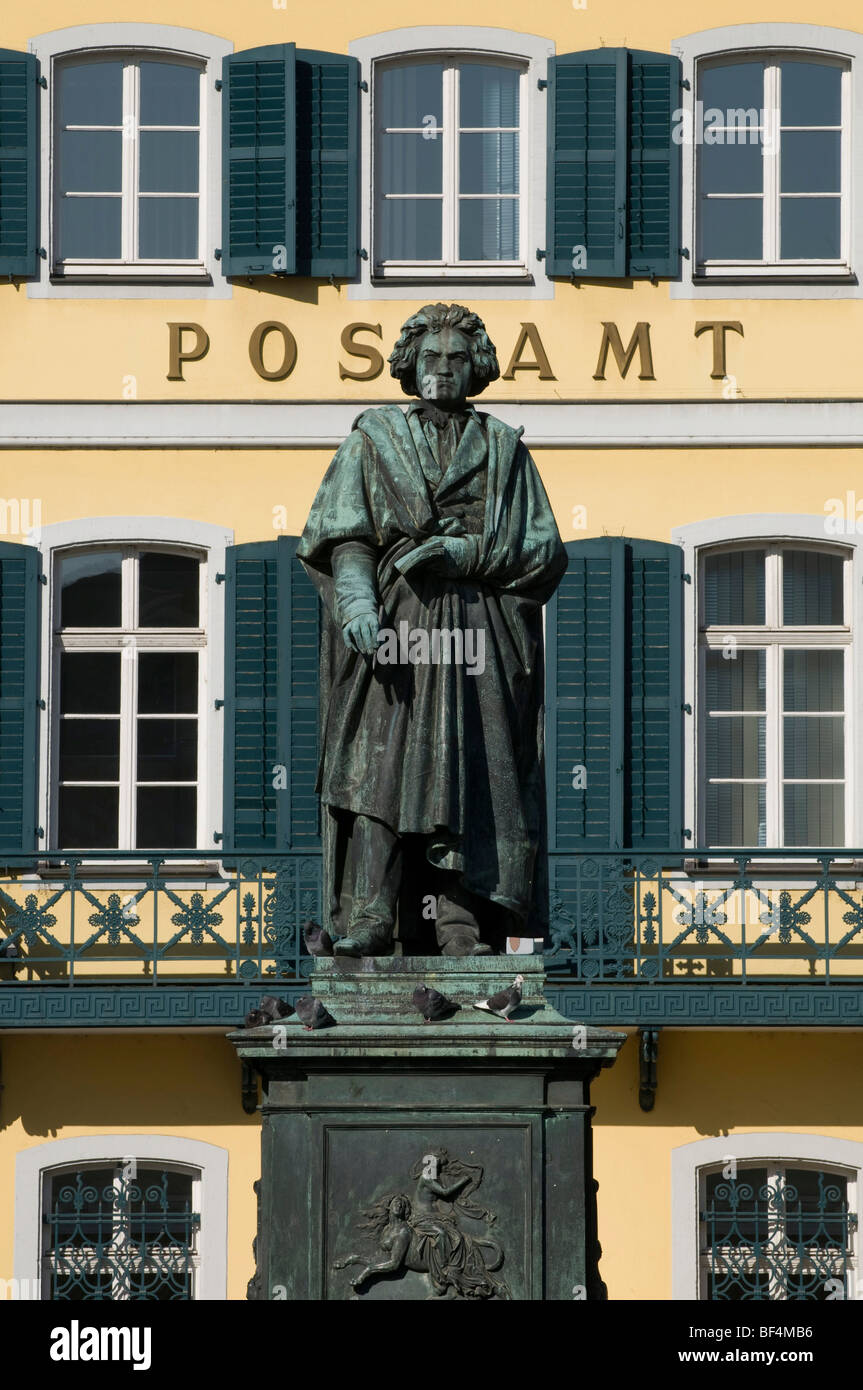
<point>410,1160</point>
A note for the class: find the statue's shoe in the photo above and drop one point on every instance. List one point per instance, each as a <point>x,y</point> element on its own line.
<point>361,946</point>
<point>466,946</point>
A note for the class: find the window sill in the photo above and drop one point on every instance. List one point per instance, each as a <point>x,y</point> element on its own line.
<point>718,866</point>
<point>774,275</point>
<point>126,277</point>
<point>445,275</point>
<point>129,869</point>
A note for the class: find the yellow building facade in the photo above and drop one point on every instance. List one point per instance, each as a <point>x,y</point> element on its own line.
<point>702,394</point>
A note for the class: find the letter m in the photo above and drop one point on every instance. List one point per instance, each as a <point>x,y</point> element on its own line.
<point>623,355</point>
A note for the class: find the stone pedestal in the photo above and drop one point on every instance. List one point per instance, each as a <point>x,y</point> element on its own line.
<point>410,1160</point>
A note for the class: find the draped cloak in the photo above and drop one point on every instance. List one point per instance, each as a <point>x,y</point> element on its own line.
<point>430,749</point>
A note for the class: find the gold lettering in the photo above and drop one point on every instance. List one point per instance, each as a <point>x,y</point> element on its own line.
<point>289,350</point>
<point>367,350</point>
<point>176,354</point>
<point>719,328</point>
<point>623,356</point>
<point>529,334</point>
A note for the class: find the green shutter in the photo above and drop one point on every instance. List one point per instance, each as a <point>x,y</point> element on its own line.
<point>614,697</point>
<point>271,699</point>
<point>19,163</point>
<point>653,219</point>
<point>586,195</point>
<point>19,670</point>
<point>259,161</point>
<point>328,87</point>
<point>613,165</point>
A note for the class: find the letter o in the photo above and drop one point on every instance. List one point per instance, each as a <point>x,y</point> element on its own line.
<point>256,350</point>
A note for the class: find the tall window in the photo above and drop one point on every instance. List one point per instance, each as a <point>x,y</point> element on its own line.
<point>447,170</point>
<point>773,150</point>
<point>130,644</point>
<point>776,1231</point>
<point>774,676</point>
<point>127,163</point>
<point>120,1233</point>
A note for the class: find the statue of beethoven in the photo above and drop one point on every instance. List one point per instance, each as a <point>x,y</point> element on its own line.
<point>433,545</point>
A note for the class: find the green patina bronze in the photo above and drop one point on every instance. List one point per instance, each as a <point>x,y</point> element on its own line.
<point>433,546</point>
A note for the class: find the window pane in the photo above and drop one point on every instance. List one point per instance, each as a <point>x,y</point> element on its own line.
<point>811,94</point>
<point>168,229</point>
<point>91,94</point>
<point>91,161</point>
<point>735,747</point>
<point>89,750</point>
<point>168,161</point>
<point>488,95</point>
<point>814,747</point>
<point>736,1209</point>
<point>89,817</point>
<point>90,590</point>
<point>731,229</point>
<point>488,163</point>
<point>811,161</point>
<point>89,229</point>
<point>488,229</point>
<point>168,590</point>
<point>407,96</point>
<point>812,589</point>
<point>738,683</point>
<point>732,168</point>
<point>814,815</point>
<point>410,164</point>
<point>167,817</point>
<point>810,229</point>
<point>170,94</point>
<point>167,683</point>
<point>736,815</point>
<point>90,683</point>
<point>732,85</point>
<point>167,750</point>
<point>817,1206</point>
<point>734,589</point>
<point>409,229</point>
<point>813,682</point>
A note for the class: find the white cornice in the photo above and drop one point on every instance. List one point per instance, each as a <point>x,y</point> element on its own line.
<point>324,424</point>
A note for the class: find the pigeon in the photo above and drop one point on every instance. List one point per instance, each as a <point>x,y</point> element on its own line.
<point>318,940</point>
<point>256,1018</point>
<point>313,1014</point>
<point>505,1002</point>
<point>431,1004</point>
<point>275,1008</point>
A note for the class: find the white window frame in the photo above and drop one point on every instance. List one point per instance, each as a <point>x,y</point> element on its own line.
<point>783,280</point>
<point>136,279</point>
<point>486,279</point>
<point>732,532</point>
<point>40,1161</point>
<point>770,142</point>
<point>773,639</point>
<point>689,1162</point>
<point>451,128</point>
<point>204,539</point>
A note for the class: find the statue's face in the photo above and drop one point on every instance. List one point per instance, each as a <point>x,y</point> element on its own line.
<point>444,368</point>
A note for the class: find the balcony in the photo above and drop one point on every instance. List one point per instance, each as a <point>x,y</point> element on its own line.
<point>649,939</point>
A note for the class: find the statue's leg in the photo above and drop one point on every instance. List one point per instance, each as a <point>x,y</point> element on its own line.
<point>456,925</point>
<point>376,863</point>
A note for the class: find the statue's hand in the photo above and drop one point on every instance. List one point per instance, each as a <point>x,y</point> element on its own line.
<point>455,557</point>
<point>361,633</point>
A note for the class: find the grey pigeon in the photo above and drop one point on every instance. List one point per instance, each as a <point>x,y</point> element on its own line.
<point>313,1014</point>
<point>317,938</point>
<point>505,1002</point>
<point>432,1004</point>
<point>256,1018</point>
<point>275,1008</point>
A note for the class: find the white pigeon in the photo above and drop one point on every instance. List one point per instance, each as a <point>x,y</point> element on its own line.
<point>505,1002</point>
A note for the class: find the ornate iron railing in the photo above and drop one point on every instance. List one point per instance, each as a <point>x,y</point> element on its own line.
<point>118,1237</point>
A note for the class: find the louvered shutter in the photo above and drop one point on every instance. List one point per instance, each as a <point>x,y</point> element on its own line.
<point>259,161</point>
<point>19,163</point>
<point>271,699</point>
<point>586,181</point>
<point>328,87</point>
<point>614,697</point>
<point>653,214</point>
<point>19,667</point>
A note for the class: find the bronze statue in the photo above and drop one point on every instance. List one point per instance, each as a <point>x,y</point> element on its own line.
<point>433,545</point>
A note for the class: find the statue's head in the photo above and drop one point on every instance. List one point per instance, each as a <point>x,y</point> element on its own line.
<point>444,355</point>
<point>400,1206</point>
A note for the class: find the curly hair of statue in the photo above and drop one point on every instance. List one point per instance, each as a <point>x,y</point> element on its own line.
<point>433,318</point>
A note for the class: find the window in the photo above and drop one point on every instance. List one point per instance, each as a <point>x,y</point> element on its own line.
<point>120,1232</point>
<point>128,163</point>
<point>447,172</point>
<point>772,1230</point>
<point>774,676</point>
<point>129,654</point>
<point>772,164</point>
